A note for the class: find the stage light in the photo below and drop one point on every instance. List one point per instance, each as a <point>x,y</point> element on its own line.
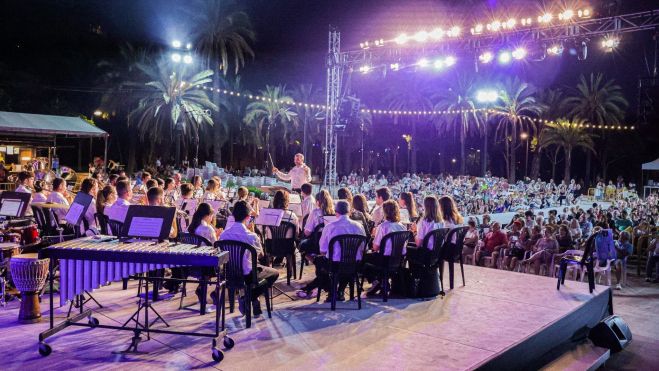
<point>176,57</point>
<point>449,61</point>
<point>423,62</point>
<point>556,49</point>
<point>545,18</point>
<point>98,113</point>
<point>511,23</point>
<point>453,31</point>
<point>566,15</point>
<point>477,29</point>
<point>487,96</point>
<point>504,57</point>
<point>401,39</point>
<point>365,69</point>
<point>188,46</point>
<point>421,36</point>
<point>494,26</point>
<point>584,13</point>
<point>610,43</point>
<point>176,44</point>
<point>439,64</point>
<point>454,160</point>
<point>364,45</point>
<point>437,33</point>
<point>187,59</point>
<point>519,53</point>
<point>486,57</point>
<point>394,66</point>
<point>379,43</point>
<point>526,21</point>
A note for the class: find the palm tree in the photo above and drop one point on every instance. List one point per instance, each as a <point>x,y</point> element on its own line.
<point>567,135</point>
<point>308,117</point>
<point>412,97</point>
<point>513,112</point>
<point>117,78</point>
<point>599,102</point>
<point>272,111</point>
<point>223,35</point>
<point>552,101</point>
<point>174,103</point>
<point>459,97</point>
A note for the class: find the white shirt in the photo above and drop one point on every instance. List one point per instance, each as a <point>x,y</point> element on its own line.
<point>238,232</point>
<point>58,198</point>
<point>315,218</point>
<point>342,225</point>
<point>308,205</point>
<point>383,230</point>
<point>297,176</point>
<point>377,215</point>
<point>39,197</point>
<point>23,189</point>
<point>423,227</point>
<point>117,211</point>
<point>206,231</point>
<point>89,216</point>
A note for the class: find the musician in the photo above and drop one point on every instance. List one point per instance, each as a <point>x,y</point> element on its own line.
<point>299,174</point>
<point>171,193</point>
<point>238,232</point>
<point>251,201</point>
<point>105,197</point>
<point>212,189</point>
<point>308,201</point>
<point>58,196</point>
<point>219,194</point>
<point>40,194</point>
<point>112,179</point>
<point>142,187</point>
<point>373,261</point>
<point>198,186</point>
<point>280,201</point>
<point>25,182</point>
<point>202,223</point>
<point>342,225</point>
<point>117,211</point>
<point>90,187</point>
<point>381,195</point>
<point>430,221</point>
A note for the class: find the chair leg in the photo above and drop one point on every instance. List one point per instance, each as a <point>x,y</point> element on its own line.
<point>385,285</point>
<point>289,270</point>
<point>450,271</point>
<point>462,270</point>
<point>441,275</point>
<point>318,294</point>
<point>183,295</point>
<point>303,257</point>
<point>267,295</point>
<point>232,299</point>
<point>333,289</point>
<point>359,291</point>
<point>293,265</point>
<point>124,282</point>
<point>248,307</point>
<point>352,290</point>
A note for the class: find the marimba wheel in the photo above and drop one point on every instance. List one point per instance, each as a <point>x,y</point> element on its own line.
<point>93,321</point>
<point>228,342</point>
<point>45,349</point>
<point>218,356</point>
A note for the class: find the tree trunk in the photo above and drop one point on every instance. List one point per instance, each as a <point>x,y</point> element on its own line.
<point>535,164</point>
<point>217,136</point>
<point>568,163</point>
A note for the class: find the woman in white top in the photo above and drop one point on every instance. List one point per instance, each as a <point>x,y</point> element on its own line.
<point>450,215</point>
<point>430,221</point>
<point>90,187</point>
<point>280,201</point>
<point>202,223</point>
<point>40,194</point>
<point>211,191</point>
<point>325,208</point>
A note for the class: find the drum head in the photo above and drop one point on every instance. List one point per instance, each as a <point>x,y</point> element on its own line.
<point>32,256</point>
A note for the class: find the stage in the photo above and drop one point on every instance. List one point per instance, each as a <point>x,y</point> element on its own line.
<point>499,320</point>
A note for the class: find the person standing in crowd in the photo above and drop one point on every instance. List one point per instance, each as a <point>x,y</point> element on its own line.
<point>298,175</point>
<point>238,232</point>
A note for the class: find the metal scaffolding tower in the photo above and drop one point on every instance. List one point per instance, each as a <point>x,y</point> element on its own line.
<point>334,75</point>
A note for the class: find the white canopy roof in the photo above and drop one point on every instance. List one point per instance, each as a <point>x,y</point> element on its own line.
<point>654,165</point>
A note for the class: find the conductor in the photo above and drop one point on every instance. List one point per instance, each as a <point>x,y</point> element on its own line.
<point>299,174</point>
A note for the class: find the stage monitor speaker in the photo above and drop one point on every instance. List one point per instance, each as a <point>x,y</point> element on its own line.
<point>612,333</point>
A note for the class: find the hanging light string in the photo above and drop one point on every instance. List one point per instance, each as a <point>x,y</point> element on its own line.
<point>255,97</point>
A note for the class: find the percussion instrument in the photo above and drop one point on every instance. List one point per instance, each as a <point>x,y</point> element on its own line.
<point>29,274</point>
<point>7,250</point>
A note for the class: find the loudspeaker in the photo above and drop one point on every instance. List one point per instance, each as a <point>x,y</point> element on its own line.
<point>612,333</point>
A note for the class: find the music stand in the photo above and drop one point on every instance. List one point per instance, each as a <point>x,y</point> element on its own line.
<point>14,204</point>
<point>149,222</point>
<point>329,219</point>
<point>269,217</point>
<point>78,208</point>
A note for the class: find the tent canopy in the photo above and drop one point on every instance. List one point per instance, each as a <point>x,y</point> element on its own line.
<point>653,165</point>
<point>28,123</point>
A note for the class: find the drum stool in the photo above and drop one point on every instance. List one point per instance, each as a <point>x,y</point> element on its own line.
<point>29,274</point>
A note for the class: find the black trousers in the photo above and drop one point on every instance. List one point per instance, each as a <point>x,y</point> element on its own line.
<point>322,280</point>
<point>371,269</point>
<point>270,275</point>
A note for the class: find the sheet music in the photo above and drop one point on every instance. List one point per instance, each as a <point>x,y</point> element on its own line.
<point>405,216</point>
<point>145,227</point>
<point>329,219</point>
<point>217,204</point>
<point>73,215</point>
<point>11,207</point>
<point>271,217</point>
<point>264,204</point>
<point>294,198</point>
<point>296,209</point>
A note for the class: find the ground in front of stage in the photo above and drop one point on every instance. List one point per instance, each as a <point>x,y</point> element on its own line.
<point>470,326</point>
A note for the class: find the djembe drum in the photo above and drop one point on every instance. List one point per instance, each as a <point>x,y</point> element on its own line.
<point>29,274</point>
<point>7,250</point>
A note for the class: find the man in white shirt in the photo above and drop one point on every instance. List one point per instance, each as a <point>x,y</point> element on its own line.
<point>299,174</point>
<point>238,232</point>
<point>308,201</point>
<point>57,197</point>
<point>341,226</point>
<point>26,185</point>
<point>381,195</point>
<point>117,211</point>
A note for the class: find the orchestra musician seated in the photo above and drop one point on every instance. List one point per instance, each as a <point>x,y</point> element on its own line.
<point>238,232</point>
<point>59,196</point>
<point>117,211</point>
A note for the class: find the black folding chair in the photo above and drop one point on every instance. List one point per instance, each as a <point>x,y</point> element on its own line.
<point>102,222</point>
<point>282,244</point>
<point>392,263</point>
<point>116,228</point>
<point>235,279</point>
<point>193,239</point>
<point>428,261</point>
<point>347,267</point>
<point>314,247</point>
<point>453,251</point>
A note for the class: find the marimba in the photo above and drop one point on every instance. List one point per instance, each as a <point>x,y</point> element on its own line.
<point>90,262</point>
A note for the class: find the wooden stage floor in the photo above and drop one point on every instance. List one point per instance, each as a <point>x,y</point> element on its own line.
<point>495,311</point>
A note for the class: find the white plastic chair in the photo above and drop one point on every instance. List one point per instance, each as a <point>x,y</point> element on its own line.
<point>605,270</point>
<point>573,268</point>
